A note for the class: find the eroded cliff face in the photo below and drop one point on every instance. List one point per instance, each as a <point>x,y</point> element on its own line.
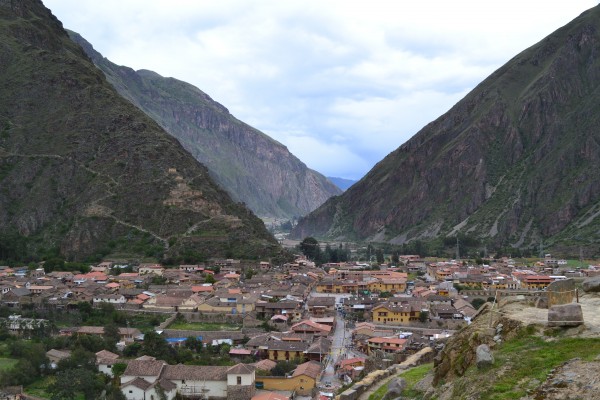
<point>252,167</point>
<point>516,160</point>
<point>84,172</point>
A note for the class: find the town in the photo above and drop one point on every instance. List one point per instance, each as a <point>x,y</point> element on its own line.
<point>230,329</point>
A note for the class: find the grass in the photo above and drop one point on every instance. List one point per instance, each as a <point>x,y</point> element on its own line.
<point>204,326</point>
<point>411,376</point>
<point>38,387</point>
<point>7,363</point>
<point>528,359</point>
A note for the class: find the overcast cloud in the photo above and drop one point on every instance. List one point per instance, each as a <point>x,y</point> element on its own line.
<point>341,83</point>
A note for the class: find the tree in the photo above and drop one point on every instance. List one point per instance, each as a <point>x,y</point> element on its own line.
<point>283,367</point>
<point>250,273</point>
<point>379,256</point>
<point>194,344</point>
<point>209,278</point>
<point>132,350</point>
<point>477,302</point>
<point>70,382</point>
<point>118,369</point>
<point>111,336</point>
<point>156,346</point>
<point>424,316</point>
<point>310,248</point>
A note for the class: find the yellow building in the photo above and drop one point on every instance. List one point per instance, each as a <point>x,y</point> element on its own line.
<point>302,382</point>
<point>287,350</point>
<point>392,285</point>
<point>394,315</point>
<point>538,282</point>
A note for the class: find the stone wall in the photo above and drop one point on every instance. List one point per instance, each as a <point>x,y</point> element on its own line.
<point>240,392</point>
<point>561,292</point>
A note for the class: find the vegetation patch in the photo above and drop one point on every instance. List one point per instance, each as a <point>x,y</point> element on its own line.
<point>7,363</point>
<point>204,326</point>
<point>521,364</point>
<point>411,376</point>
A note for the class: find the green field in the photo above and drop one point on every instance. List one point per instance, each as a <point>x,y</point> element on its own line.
<point>204,326</point>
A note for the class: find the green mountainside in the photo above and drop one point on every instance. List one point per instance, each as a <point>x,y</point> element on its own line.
<point>251,166</point>
<point>84,173</point>
<point>514,163</point>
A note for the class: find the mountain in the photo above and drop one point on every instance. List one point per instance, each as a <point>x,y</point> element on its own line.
<point>84,173</point>
<point>513,163</point>
<point>342,183</point>
<point>251,166</point>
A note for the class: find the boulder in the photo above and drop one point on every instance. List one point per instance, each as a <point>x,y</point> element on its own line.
<point>592,284</point>
<point>565,315</point>
<point>484,356</point>
<point>395,388</point>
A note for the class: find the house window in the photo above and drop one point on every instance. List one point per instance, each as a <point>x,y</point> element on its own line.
<point>183,381</point>
<point>239,380</point>
<point>131,391</point>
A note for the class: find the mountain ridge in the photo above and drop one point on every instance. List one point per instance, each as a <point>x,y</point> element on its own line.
<point>83,173</point>
<point>512,163</point>
<point>253,167</point>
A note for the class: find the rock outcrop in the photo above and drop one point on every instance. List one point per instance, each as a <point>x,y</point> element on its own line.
<point>592,284</point>
<point>484,356</point>
<point>565,315</point>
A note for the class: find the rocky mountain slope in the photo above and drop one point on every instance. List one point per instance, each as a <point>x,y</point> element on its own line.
<point>84,173</point>
<point>530,360</point>
<point>251,166</point>
<point>513,163</point>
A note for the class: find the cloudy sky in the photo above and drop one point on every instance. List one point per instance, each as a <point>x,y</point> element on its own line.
<point>341,83</point>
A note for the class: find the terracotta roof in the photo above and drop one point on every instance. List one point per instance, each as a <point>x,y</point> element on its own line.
<point>287,346</point>
<point>321,301</point>
<point>311,368</point>
<point>106,354</point>
<point>241,369</point>
<point>314,325</point>
<point>144,368</point>
<point>387,340</point>
<point>240,352</point>
<point>196,289</point>
<point>265,365</point>
<point>139,383</point>
<point>167,384</point>
<point>91,330</point>
<point>195,372</point>
<point>349,361</point>
<point>58,353</point>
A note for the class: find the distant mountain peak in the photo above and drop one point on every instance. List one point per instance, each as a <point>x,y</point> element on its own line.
<point>254,168</point>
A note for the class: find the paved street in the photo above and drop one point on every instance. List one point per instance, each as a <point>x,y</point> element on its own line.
<point>340,340</point>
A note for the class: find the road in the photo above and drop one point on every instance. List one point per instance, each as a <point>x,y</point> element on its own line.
<point>340,341</point>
